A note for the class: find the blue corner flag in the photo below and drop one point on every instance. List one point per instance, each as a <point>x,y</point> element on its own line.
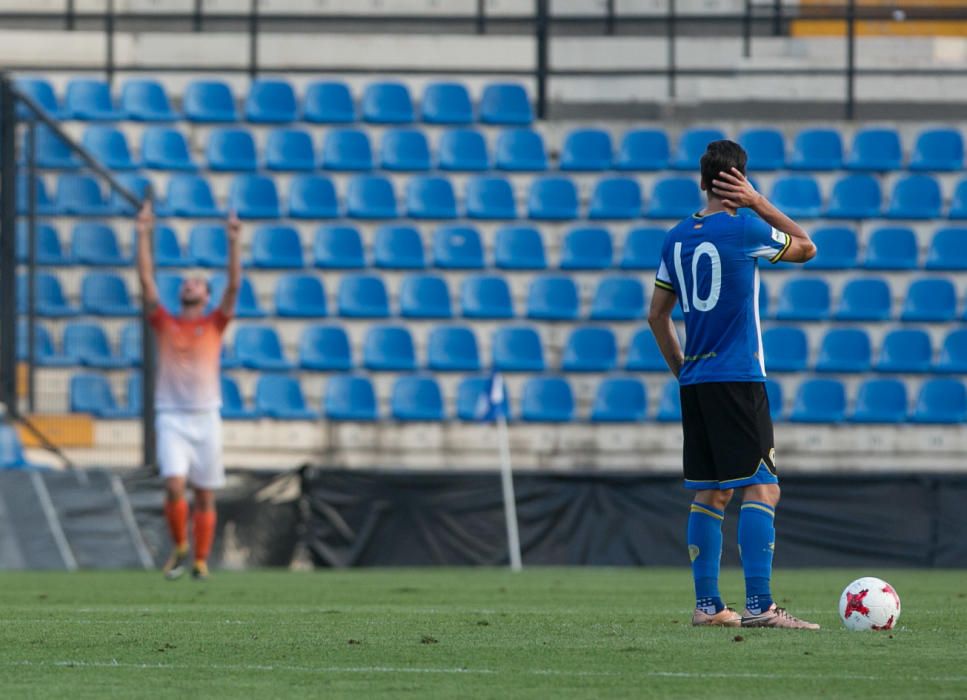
<point>492,403</point>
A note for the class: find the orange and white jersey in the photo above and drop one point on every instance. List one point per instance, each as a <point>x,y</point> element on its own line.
<point>188,361</point>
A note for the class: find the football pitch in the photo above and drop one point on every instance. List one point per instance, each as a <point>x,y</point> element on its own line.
<point>469,632</point>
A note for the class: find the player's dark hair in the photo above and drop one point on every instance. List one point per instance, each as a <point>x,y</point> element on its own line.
<point>722,156</point>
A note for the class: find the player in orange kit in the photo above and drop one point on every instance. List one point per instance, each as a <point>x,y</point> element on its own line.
<point>188,395</point>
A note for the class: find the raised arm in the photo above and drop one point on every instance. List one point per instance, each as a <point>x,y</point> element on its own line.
<point>736,191</point>
<point>660,319</point>
<point>234,228</point>
<point>145,260</point>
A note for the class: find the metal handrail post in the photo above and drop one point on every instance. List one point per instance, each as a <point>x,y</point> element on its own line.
<point>541,40</point>
<point>8,245</point>
<point>850,59</point>
<point>32,263</point>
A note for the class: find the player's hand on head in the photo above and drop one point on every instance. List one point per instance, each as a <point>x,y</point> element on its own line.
<point>734,189</point>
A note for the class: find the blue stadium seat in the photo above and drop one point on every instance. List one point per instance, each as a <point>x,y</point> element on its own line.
<point>404,150</point>
<point>517,349</point>
<point>271,102</point>
<point>347,149</point>
<point>280,397</point>
<point>505,104</point>
<point>905,350</point>
<point>52,152</point>
<point>948,250</point>
<point>259,347</point>
<point>328,102</point>
<point>190,196</point>
<point>462,150</point>
<point>49,250</point>
<point>880,401</point>
<point>855,196</point>
<point>42,92</point>
<point>452,349</point>
<point>642,249</point>
<point>87,345</point>
<point>875,149</point>
<point>586,248</point>
<point>958,207</point>
<point>643,149</point>
<point>106,294</point>
<point>45,354</point>
<point>619,400</point>
<point>953,353</point>
<point>520,150</point>
<point>458,247</point>
<point>486,296</point>
<point>350,398</point>
<point>398,247</point>
<point>44,205</point>
<point>338,248</point>
<point>766,149</point>
<point>941,401</point>
<point>417,398</point>
<point>797,195</point>
<point>552,199</point>
<point>938,150</point>
<point>775,398</point>
<point>490,198</point>
<point>864,299</point>
<point>363,296</point>
<point>300,296</point>
<point>387,103</point>
<point>674,198</point>
<point>90,101</point>
<point>670,403</point>
<point>80,195</point>
<point>96,244</point>
<point>547,400</point>
<point>146,101</point>
<point>590,349</point>
<point>644,354</point>
<point>691,145</point>
<point>209,102</point>
<point>616,198</point>
<point>312,197</point>
<point>425,296</point>
<point>586,150</point>
<point>227,358</point>
<point>845,350</point>
<point>370,197</point>
<point>169,290</point>
<point>932,300</point>
<point>233,405</point>
<point>91,393</point>
<point>519,248</point>
<point>891,248</point>
<point>786,349</point>
<point>430,197</point>
<point>819,401</point>
<point>552,299</point>
<point>208,245</point>
<point>277,247</point>
<point>254,197</point>
<point>290,150</point>
<point>247,305</point>
<point>389,349</point>
<point>915,197</point>
<point>817,149</point>
<point>836,249</point>
<point>618,299</point>
<point>108,146</point>
<point>137,185</point>
<point>804,299</point>
<point>165,148</point>
<point>231,150</point>
<point>446,103</point>
<point>11,450</point>
<point>325,349</point>
<point>49,299</point>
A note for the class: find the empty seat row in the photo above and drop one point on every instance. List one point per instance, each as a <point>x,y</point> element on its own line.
<point>274,101</point>
<point>887,248</point>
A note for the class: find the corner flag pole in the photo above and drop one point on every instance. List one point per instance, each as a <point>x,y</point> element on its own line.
<point>510,501</point>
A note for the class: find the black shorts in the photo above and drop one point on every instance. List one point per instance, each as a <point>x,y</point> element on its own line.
<point>728,435</point>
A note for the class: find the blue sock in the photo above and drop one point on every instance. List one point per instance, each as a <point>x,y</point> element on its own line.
<point>705,550</point>
<point>757,540</point>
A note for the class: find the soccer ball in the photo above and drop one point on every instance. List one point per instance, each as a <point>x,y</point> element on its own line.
<point>869,603</point>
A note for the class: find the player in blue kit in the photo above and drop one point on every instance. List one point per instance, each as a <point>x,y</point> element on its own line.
<point>709,265</point>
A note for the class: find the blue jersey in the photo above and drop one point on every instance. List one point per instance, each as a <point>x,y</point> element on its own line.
<point>711,264</point>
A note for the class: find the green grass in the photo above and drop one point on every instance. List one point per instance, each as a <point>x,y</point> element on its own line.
<point>470,633</point>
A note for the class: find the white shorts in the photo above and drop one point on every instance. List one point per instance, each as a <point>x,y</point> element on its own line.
<point>190,445</point>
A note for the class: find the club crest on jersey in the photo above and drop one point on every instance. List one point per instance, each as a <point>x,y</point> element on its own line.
<point>697,226</point>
